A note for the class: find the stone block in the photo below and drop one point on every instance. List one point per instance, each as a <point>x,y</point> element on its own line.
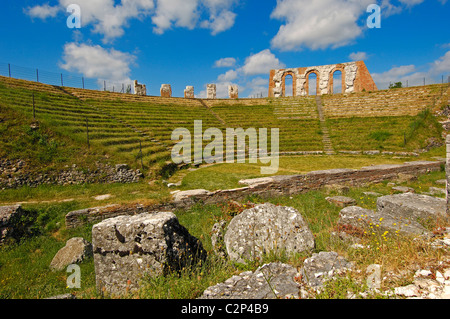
<point>140,89</point>
<point>128,247</point>
<point>266,229</point>
<point>341,201</point>
<point>233,92</point>
<point>211,91</point>
<point>75,251</point>
<point>189,92</point>
<point>413,206</point>
<point>10,222</point>
<point>166,90</point>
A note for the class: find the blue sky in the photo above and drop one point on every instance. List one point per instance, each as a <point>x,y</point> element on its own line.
<point>196,42</point>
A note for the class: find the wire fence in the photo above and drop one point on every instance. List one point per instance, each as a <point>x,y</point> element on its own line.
<point>62,79</point>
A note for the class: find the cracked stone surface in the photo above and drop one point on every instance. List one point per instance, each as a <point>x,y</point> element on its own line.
<point>129,247</point>
<point>266,229</point>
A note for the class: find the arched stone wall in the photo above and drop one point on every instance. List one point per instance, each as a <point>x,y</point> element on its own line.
<point>317,73</point>
<point>341,68</point>
<point>294,83</point>
<point>355,78</point>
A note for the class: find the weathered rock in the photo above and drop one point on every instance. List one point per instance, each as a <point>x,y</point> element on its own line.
<point>63,297</point>
<point>341,201</point>
<point>267,229</point>
<point>372,194</point>
<point>437,191</point>
<point>358,221</point>
<point>412,206</point>
<point>190,193</point>
<point>323,266</point>
<point>11,225</point>
<point>403,189</point>
<point>270,281</point>
<point>75,251</point>
<point>217,238</point>
<point>129,247</point>
<point>340,189</point>
<point>405,177</point>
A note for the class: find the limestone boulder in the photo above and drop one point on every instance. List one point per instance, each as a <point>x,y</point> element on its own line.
<point>270,281</point>
<point>323,266</point>
<point>265,229</point>
<point>357,221</point>
<point>14,223</point>
<point>128,247</point>
<point>412,206</point>
<point>341,201</point>
<point>75,251</point>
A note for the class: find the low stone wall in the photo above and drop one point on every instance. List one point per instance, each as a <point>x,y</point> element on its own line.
<point>14,174</point>
<point>266,187</point>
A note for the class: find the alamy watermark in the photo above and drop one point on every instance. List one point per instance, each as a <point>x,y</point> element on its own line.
<point>213,152</point>
<point>374,20</point>
<point>74,280</point>
<point>74,20</point>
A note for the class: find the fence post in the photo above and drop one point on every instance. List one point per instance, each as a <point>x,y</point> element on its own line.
<point>37,75</point>
<point>104,85</point>
<point>87,132</point>
<point>9,69</point>
<point>140,154</point>
<point>62,82</point>
<point>34,109</point>
<point>82,80</point>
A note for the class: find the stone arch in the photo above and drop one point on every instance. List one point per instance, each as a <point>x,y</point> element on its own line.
<point>340,68</point>
<point>283,83</point>
<point>317,73</point>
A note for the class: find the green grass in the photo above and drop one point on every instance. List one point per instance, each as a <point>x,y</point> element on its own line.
<point>399,133</point>
<point>226,176</point>
<point>25,273</point>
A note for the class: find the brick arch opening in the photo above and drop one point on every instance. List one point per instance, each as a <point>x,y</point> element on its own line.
<point>317,81</point>
<point>283,83</point>
<point>331,79</point>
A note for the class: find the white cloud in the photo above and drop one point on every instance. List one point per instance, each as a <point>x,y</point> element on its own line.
<point>258,86</point>
<point>228,76</point>
<point>111,17</point>
<point>94,61</point>
<point>42,12</point>
<point>219,23</point>
<point>406,74</point>
<point>181,13</point>
<point>188,14</point>
<point>442,65</point>
<point>358,56</point>
<point>318,24</point>
<point>261,63</point>
<point>225,63</point>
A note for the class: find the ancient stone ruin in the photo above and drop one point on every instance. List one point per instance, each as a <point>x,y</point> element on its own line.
<point>166,90</point>
<point>233,92</point>
<point>211,91</point>
<point>355,78</point>
<point>128,247</point>
<point>139,89</point>
<point>189,92</point>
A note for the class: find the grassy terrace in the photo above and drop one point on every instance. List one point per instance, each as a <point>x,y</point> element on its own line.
<point>297,120</point>
<point>119,124</point>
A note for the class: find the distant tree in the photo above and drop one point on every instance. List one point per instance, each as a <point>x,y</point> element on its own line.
<point>396,85</point>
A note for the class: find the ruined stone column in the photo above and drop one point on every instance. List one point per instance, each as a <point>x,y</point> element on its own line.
<point>233,92</point>
<point>447,172</point>
<point>211,91</point>
<point>139,89</point>
<point>166,90</point>
<point>189,92</point>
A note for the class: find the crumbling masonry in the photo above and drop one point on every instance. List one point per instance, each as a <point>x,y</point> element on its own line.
<point>355,78</point>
